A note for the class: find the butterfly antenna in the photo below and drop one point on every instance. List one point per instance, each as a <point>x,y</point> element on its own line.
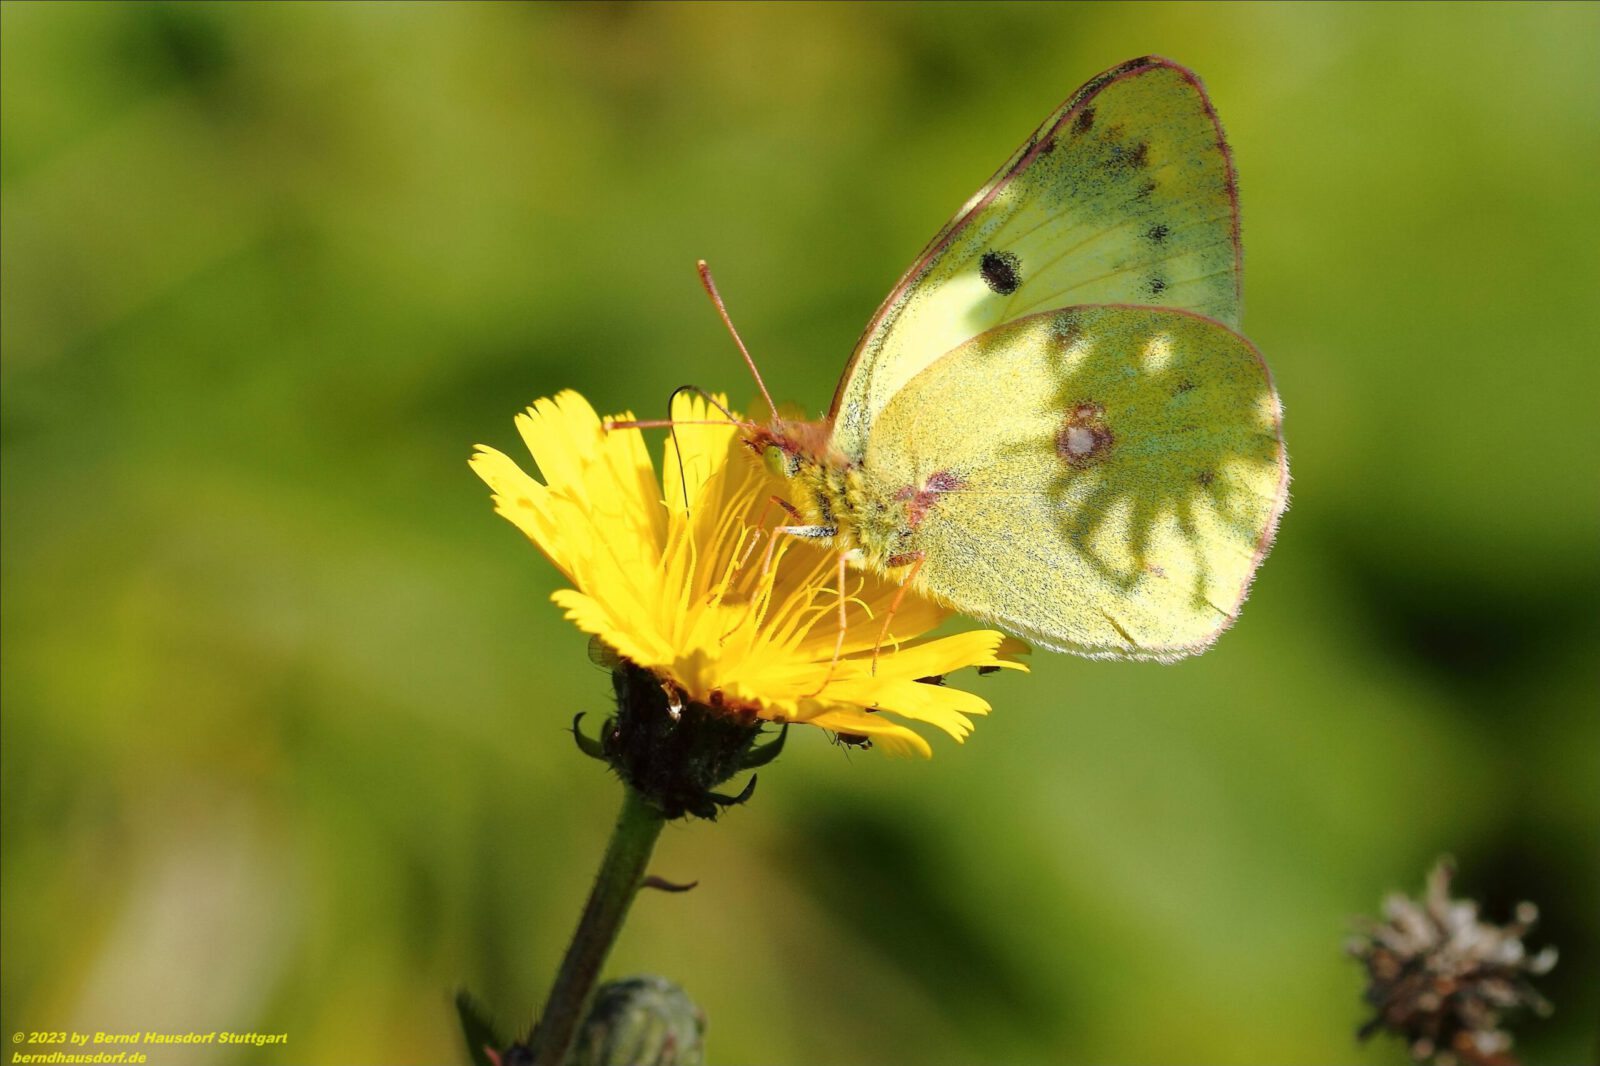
<point>683,481</point>
<point>669,422</point>
<point>716,299</point>
<point>708,398</point>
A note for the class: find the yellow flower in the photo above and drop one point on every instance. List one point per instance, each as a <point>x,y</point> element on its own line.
<point>686,578</point>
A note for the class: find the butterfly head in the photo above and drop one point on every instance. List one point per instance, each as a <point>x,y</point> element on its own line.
<point>786,446</point>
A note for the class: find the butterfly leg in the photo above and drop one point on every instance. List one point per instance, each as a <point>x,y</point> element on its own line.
<point>803,532</point>
<point>915,559</point>
<point>760,528</point>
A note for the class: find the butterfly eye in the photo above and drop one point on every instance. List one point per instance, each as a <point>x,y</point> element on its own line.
<point>778,461</point>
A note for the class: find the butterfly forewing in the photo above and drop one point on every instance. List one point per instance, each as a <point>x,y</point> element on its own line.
<point>1119,500</point>
<point>1125,195</point>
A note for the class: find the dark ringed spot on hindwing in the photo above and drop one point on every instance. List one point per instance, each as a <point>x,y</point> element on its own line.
<point>1206,477</point>
<point>1158,232</point>
<point>1084,438</point>
<point>1156,286</point>
<point>1084,122</point>
<point>1002,272</point>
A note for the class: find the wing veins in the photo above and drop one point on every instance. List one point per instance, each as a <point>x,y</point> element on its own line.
<point>1044,301</point>
<point>1010,312</point>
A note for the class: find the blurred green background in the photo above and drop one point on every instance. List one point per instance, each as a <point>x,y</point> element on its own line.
<point>284,701</point>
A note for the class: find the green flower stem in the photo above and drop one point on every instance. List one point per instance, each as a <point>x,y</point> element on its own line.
<point>621,873</point>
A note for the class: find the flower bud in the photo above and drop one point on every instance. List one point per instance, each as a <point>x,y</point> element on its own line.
<point>641,1021</point>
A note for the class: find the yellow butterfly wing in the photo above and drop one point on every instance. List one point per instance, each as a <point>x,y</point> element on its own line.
<point>1125,195</point>
<point>1102,480</point>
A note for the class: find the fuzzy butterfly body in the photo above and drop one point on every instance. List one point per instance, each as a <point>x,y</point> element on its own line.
<point>1052,420</point>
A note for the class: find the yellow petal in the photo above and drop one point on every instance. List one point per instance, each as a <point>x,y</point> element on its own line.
<point>688,579</point>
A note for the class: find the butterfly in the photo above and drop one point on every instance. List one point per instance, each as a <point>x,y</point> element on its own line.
<point>1052,423</point>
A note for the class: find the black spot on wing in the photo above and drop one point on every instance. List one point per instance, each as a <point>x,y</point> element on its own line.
<point>1145,190</point>
<point>1158,232</point>
<point>1084,122</point>
<point>1156,286</point>
<point>1002,272</point>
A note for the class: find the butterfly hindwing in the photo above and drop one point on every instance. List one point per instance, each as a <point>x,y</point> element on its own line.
<point>1119,499</point>
<point>1125,195</point>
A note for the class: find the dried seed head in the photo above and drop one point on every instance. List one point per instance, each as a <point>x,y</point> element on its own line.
<point>1441,979</point>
